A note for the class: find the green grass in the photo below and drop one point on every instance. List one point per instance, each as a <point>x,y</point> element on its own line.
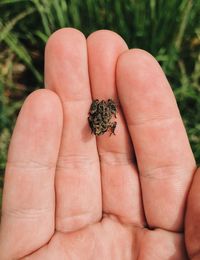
<point>170,30</point>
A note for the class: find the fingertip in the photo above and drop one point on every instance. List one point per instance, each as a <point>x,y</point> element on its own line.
<point>66,70</point>
<point>104,47</point>
<point>137,57</point>
<point>106,37</point>
<point>139,76</point>
<point>60,36</point>
<point>43,105</point>
<point>64,42</point>
<point>40,118</point>
<point>140,66</point>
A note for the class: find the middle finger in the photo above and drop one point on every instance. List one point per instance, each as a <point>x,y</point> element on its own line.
<point>120,183</point>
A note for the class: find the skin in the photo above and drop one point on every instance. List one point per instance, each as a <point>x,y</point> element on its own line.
<point>71,195</point>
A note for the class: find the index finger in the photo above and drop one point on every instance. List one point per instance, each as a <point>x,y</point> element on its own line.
<point>163,152</point>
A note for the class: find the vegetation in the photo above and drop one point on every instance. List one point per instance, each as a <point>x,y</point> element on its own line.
<point>170,30</point>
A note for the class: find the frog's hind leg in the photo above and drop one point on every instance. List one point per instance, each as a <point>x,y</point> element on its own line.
<point>113,127</point>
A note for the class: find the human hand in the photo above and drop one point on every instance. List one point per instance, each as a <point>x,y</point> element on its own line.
<point>69,195</point>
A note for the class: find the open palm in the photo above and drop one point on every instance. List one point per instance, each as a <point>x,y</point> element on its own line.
<point>69,195</point>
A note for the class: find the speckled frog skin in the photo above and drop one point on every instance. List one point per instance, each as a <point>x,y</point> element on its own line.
<point>100,116</point>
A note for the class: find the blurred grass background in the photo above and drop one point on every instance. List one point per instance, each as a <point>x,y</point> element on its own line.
<point>170,30</point>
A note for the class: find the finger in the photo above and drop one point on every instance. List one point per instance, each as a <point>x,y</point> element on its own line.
<point>28,199</point>
<point>120,184</point>
<point>78,186</point>
<point>161,244</point>
<point>164,156</point>
<point>192,228</point>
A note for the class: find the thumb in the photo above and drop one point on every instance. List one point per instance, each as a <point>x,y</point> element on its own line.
<point>192,221</point>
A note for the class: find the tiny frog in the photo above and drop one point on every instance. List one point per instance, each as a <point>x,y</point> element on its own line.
<point>100,116</point>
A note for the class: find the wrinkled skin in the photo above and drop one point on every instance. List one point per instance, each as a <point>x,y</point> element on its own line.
<point>71,195</point>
